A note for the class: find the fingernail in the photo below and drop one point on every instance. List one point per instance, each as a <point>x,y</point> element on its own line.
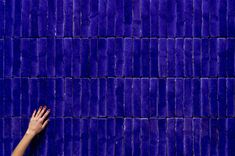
<point>40,107</point>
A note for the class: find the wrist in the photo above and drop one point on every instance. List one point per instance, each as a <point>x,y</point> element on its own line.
<point>30,133</point>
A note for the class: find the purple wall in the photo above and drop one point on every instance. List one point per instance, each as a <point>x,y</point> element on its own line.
<point>122,77</point>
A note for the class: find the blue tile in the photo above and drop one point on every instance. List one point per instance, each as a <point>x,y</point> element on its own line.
<point>136,19</point>
<point>9,15</point>
<point>51,57</point>
<point>51,28</point>
<point>7,104</point>
<point>76,135</point>
<point>213,57</point>
<point>34,18</point>
<point>16,85</point>
<point>205,97</point>
<point>188,58</point>
<point>153,57</point>
<point>2,15</point>
<point>85,97</point>
<point>128,54</point>
<point>119,124</point>
<point>196,97</point>
<point>162,12</point>
<point>188,16</point>
<point>60,17</point>
<point>171,57</point>
<point>214,137</point>
<point>188,144</point>
<point>76,107</point>
<point>110,57</point>
<point>76,18</point>
<point>93,59</point>
<point>153,136</point>
<point>153,94</point>
<point>180,18</point>
<point>127,18</point>
<point>93,137</point>
<point>171,18</point>
<point>68,136</point>
<point>102,17</point>
<point>187,95</point>
<point>68,49</point>
<point>136,97</point>
<point>102,97</point>
<point>230,102</point>
<point>111,102</point>
<point>76,67</point>
<point>68,21</point>
<point>42,18</point>
<point>205,18</point>
<point>179,58</point>
<point>213,102</point>
<point>102,57</point>
<point>179,136</point>
<point>8,57</point>
<point>145,18</point>
<point>94,88</point>
<point>162,126</point>
<point>222,97</point>
<point>145,53</point>
<point>59,97</point>
<point>111,136</point>
<point>230,57</point>
<point>170,97</point>
<point>197,18</point>
<point>144,135</point>
<point>42,66</point>
<point>162,105</point>
<point>102,137</point>
<point>94,17</point>
<point>128,97</point>
<point>16,57</point>
<point>119,94</point>
<point>162,57</point>
<point>145,98</point>
<point>119,23</point>
<point>205,136</point>
<point>222,130</point>
<point>136,57</point>
<point>179,92</point>
<point>197,57</point>
<point>85,52</point>
<point>171,137</point>
<point>196,136</point>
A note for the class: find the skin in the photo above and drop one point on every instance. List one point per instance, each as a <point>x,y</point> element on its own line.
<point>37,123</point>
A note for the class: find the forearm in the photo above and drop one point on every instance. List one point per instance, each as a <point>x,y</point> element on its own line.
<point>23,144</point>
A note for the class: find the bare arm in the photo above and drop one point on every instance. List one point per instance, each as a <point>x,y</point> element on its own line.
<point>36,125</point>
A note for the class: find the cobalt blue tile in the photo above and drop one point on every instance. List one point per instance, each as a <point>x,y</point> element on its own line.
<point>34,18</point>
<point>119,124</point>
<point>76,148</point>
<point>162,105</point>
<point>205,136</point>
<point>153,94</point>
<point>213,65</point>
<point>196,136</point>
<point>85,18</point>
<point>33,55</point>
<point>77,97</point>
<point>205,97</point>
<point>145,18</point>
<point>136,97</point>
<point>205,18</point>
<point>119,62</point>
<point>230,102</point>
<point>68,136</point>
<point>111,103</point>
<point>127,18</point>
<point>51,96</point>
<point>162,12</point>
<point>136,57</point>
<point>188,58</point>
<point>197,57</point>
<point>102,57</point>
<point>214,18</point>
<point>179,92</point>
<point>2,15</point>
<point>153,57</point>
<point>170,57</point>
<point>51,27</point>
<point>145,53</point>
<point>128,55</point>
<point>8,57</point>
<point>222,97</point>
<point>153,136</point>
<point>197,18</point>
<point>16,85</point>
<point>222,132</point>
<point>68,21</point>
<point>33,94</point>
<point>213,102</point>
<point>102,137</point>
<point>25,57</point>
<point>41,46</point>
<point>162,126</point>
<point>222,71</point>
<point>94,17</point>
<point>230,135</point>
<point>25,14</point>
<point>42,18</point>
<point>9,16</point>
<point>119,23</point>
<point>170,97</point>
<point>144,135</point>
<point>85,52</point>
<point>230,17</point>
<point>214,137</point>
<point>7,138</point>
<point>59,97</point>
<point>76,69</point>
<point>85,97</point>
<point>187,95</point>
<point>93,58</point>
<point>2,89</point>
<point>171,18</point>
<point>1,137</point>
<point>51,130</point>
<point>76,18</point>
<point>94,88</point>
<point>1,58</point>
<point>16,133</point>
<point>102,17</point>
<point>128,97</point>
<point>196,97</point>
<point>42,92</point>
<point>145,97</point>
<point>102,97</point>
<point>230,57</point>
<point>93,137</point>
<point>136,19</point>
<point>59,135</point>
<point>16,57</point>
<point>119,94</point>
<point>111,136</point>
<point>179,57</point>
<point>179,18</point>
<point>171,136</point>
<point>68,56</point>
<point>60,18</point>
<point>188,16</point>
<point>7,105</point>
<point>205,57</point>
<point>162,57</point>
<point>179,136</point>
<point>188,144</point>
<point>222,18</point>
<point>110,56</point>
<point>51,57</point>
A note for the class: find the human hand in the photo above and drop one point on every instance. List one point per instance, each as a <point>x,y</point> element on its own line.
<point>37,122</point>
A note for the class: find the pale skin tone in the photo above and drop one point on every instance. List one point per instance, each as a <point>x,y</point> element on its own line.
<point>38,122</point>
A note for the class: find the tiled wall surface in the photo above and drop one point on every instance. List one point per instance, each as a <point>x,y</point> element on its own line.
<point>122,77</point>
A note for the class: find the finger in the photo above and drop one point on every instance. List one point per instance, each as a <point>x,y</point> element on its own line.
<point>39,110</point>
<point>34,112</point>
<point>46,114</point>
<point>42,112</point>
<point>45,123</point>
